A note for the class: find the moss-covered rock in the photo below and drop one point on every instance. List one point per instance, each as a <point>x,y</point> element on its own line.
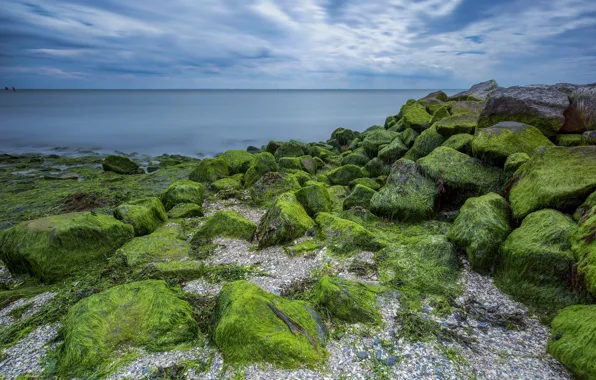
<point>414,115</point>
<point>589,138</point>
<point>343,136</point>
<point>454,125</point>
<point>345,174</point>
<point>289,164</point>
<point>183,191</point>
<point>166,243</point>
<point>496,143</point>
<point>302,177</point>
<point>285,221</point>
<point>584,209</point>
<point>302,248</point>
<point>467,108</point>
<point>514,161</point>
<point>555,177</point>
<point>408,137</point>
<point>478,91</point>
<point>460,176</point>
<point>360,196</point>
<point>272,146</point>
<point>584,249</point>
<point>480,228</point>
<point>394,151</point>
<point>57,247</point>
<point>569,140</point>
<point>572,340</point>
<point>407,195</point>
<point>308,164</point>
<point>376,139</point>
<point>270,185</point>
<point>376,168</point>
<point>226,223</point>
<point>145,314</point>
<point>290,149</point>
<point>314,198</point>
<point>425,143</point>
<point>238,160</point>
<point>120,165</point>
<point>461,142</point>
<point>145,215</point>
<point>265,162</point>
<point>346,300</point>
<point>344,237</point>
<point>254,326</point>
<point>227,184</point>
<point>368,182</point>
<point>440,114</point>
<point>209,170</point>
<point>358,158</point>
<point>185,210</point>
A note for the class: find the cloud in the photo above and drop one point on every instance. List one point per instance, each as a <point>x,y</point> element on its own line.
<point>298,44</point>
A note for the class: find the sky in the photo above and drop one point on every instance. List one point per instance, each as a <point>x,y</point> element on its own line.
<point>301,44</point>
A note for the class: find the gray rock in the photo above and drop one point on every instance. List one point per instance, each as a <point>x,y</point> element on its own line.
<point>589,138</point>
<point>439,95</point>
<point>478,91</point>
<point>539,106</point>
<point>581,114</point>
<point>391,361</point>
<point>362,355</point>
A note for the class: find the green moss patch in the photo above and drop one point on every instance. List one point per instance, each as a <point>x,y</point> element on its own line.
<point>289,149</point>
<point>183,191</point>
<point>414,115</point>
<point>185,210</point>
<point>514,162</point>
<point>302,248</point>
<point>425,143</point>
<point>409,136</point>
<point>375,139</point>
<point>314,199</point>
<point>120,165</point>
<point>345,174</point>
<point>270,185</point>
<point>454,125</point>
<point>166,243</point>
<point>368,182</point>
<point>209,170</point>
<point>360,196</point>
<point>584,250</point>
<point>569,140</point>
<point>344,237</point>
<point>145,215</point>
<point>226,223</point>
<point>394,151</point>
<point>238,161</point>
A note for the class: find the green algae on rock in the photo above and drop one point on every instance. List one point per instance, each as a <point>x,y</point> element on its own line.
<point>166,243</point>
<point>186,210</point>
<point>345,174</point>
<point>496,143</point>
<point>461,142</point>
<point>238,160</point>
<point>145,314</point>
<point>314,198</point>
<point>584,209</point>
<point>414,116</point>
<point>376,139</point>
<point>572,340</point>
<point>569,140</point>
<point>302,248</point>
<point>285,221</point>
<point>349,301</point>
<point>376,168</point>
<point>233,183</point>
<point>425,143</point>
<point>360,196</point>
<point>145,215</point>
<point>289,149</point>
<point>270,185</point>
<point>343,136</point>
<point>368,182</point>
<point>226,223</point>
<point>57,247</point>
<point>584,249</point>
<point>344,237</point>
<point>457,124</point>
<point>409,136</point>
<point>394,151</point>
<point>357,157</point>
<point>255,326</point>
<point>183,191</point>
<point>480,228</point>
<point>440,114</point>
<point>209,170</point>
<point>555,177</point>
<point>514,161</point>
<point>289,164</point>
<point>121,165</point>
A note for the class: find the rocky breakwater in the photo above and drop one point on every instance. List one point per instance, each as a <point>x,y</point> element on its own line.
<point>442,244</point>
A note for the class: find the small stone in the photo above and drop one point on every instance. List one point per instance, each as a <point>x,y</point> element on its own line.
<point>362,355</point>
<point>391,361</point>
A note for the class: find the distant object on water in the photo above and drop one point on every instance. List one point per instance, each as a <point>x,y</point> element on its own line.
<point>5,88</point>
<point>13,89</point>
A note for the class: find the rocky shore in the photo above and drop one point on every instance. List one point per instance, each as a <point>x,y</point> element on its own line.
<point>457,240</point>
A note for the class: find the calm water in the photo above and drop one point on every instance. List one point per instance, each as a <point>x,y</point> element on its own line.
<point>185,122</point>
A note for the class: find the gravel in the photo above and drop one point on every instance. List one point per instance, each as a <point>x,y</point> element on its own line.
<point>35,303</point>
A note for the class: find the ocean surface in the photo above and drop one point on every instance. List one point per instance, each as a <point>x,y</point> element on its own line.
<point>188,122</point>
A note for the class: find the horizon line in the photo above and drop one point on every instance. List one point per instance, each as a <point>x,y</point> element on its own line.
<point>231,89</point>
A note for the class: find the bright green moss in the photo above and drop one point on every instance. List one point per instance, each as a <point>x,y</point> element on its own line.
<point>314,199</point>
<point>461,142</point>
<point>302,248</point>
<point>174,271</point>
<point>495,144</point>
<point>440,114</point>
<point>584,209</point>
<point>289,164</point>
<point>360,215</point>
<point>584,250</point>
<point>398,126</point>
<point>238,161</point>
<point>360,196</point>
<point>425,143</point>
<point>414,115</point>
<point>166,243</point>
<point>358,158</point>
<point>120,165</point>
<point>209,170</point>
<point>368,182</point>
<point>183,191</point>
<point>251,176</point>
<point>343,136</point>
<point>289,149</point>
<point>376,168</point>
<point>57,247</point>
<point>480,228</point>
<point>143,314</point>
<point>344,237</point>
<point>345,174</point>
<point>555,177</point>
<point>265,162</point>
<point>408,137</point>
<point>514,161</point>
<point>302,177</point>
<point>376,139</point>
<point>454,125</point>
<point>145,215</point>
<point>249,328</point>
<point>225,223</point>
<point>233,183</point>
<point>346,300</point>
<point>569,140</point>
<point>285,221</point>
<point>308,164</point>
<point>466,108</point>
<point>270,185</point>
<point>186,210</point>
<point>407,196</point>
<point>394,151</point>
<point>572,341</point>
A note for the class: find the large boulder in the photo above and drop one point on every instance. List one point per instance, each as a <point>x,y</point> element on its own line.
<point>458,176</point>
<point>209,170</point>
<point>584,249</point>
<point>289,149</point>
<point>394,151</point>
<point>478,91</point>
<point>238,160</point>
<point>467,108</point>
<point>438,95</point>
<point>425,143</point>
<point>376,139</point>
<point>145,314</point>
<point>407,195</point>
<point>581,114</point>
<point>414,116</point>
<point>360,196</point>
<point>343,136</point>
<point>480,228</point>
<point>496,143</point>
<point>270,185</point>
<point>120,165</point>
<point>461,142</point>
<point>345,174</point>
<point>344,237</point>
<point>166,243</point>
<point>515,161</point>
<point>408,137</point>
<point>314,198</point>
<point>555,177</point>
<point>145,215</point>
<point>376,168</point>
<point>541,107</point>
<point>572,341</point>
<point>254,326</point>
<point>57,247</point>
<point>186,210</point>
<point>285,221</point>
<point>453,125</point>
<point>224,223</point>
<point>183,191</point>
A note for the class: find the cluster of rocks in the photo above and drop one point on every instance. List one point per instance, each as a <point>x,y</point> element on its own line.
<point>505,176</point>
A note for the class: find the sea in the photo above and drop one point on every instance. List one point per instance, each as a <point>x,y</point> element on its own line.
<point>196,123</point>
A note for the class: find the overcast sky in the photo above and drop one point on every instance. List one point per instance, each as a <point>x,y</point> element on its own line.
<point>375,44</point>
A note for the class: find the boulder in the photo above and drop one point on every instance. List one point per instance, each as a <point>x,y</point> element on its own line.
<point>343,136</point>
<point>225,223</point>
<point>285,221</point>
<point>228,184</point>
<point>479,91</point>
<point>496,143</point>
<point>145,215</point>
<point>414,116</point>
<point>589,138</point>
<point>515,161</point>
<point>467,108</point>
<point>254,326</point>
<point>581,114</point>
<point>357,157</point>
<point>368,182</point>
<point>209,170</point>
<point>431,105</point>
<point>439,95</point>
<point>541,107</point>
<point>461,142</point>
<point>408,137</point>
<point>56,247</point>
<point>238,161</point>
<point>183,191</point>
<point>376,139</point>
<point>377,168</point>
<point>555,177</point>
<point>394,151</point>
<point>453,125</point>
<point>360,196</point>
<point>145,314</point>
<point>585,208</point>
<point>440,114</point>
<point>584,250</point>
<point>425,143</point>
<point>166,243</point>
<point>569,140</point>
<point>308,164</point>
<point>480,228</point>
<point>345,174</point>
<point>289,149</point>
<point>121,165</point>
<point>270,185</point>
<point>314,198</point>
<point>407,195</point>
<point>344,237</point>
<point>289,164</point>
<point>186,210</point>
